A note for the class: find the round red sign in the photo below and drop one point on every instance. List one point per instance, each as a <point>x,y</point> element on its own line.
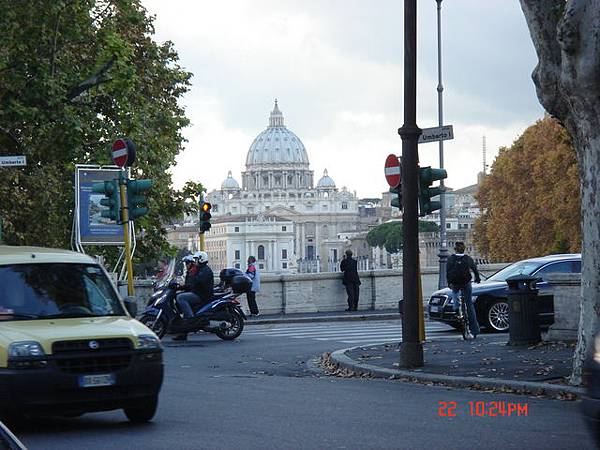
<point>120,152</point>
<point>393,170</point>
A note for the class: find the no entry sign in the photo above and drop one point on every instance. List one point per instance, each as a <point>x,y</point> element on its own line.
<point>120,152</point>
<point>393,171</point>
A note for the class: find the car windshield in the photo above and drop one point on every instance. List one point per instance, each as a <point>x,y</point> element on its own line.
<point>41,291</point>
<point>519,268</point>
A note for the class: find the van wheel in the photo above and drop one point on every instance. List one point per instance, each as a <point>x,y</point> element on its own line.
<point>143,411</point>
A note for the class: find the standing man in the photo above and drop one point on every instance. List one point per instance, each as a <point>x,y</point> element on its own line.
<point>254,275</point>
<point>458,274</point>
<point>351,280</point>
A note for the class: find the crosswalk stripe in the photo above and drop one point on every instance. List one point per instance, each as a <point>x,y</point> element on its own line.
<point>316,329</point>
<point>398,338</point>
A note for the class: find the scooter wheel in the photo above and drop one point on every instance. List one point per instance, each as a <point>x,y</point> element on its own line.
<point>237,326</point>
<point>158,326</point>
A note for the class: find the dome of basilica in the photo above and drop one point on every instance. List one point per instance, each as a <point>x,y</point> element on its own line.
<point>326,181</point>
<point>229,183</point>
<point>277,145</point>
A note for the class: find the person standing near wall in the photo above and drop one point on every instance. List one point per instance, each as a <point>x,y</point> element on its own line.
<point>351,280</point>
<point>254,274</point>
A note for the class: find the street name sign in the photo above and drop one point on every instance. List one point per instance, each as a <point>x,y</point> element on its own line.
<point>12,161</point>
<point>120,152</point>
<point>393,170</point>
<point>436,134</point>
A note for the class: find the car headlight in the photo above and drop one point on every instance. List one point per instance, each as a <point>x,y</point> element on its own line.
<point>147,341</point>
<point>25,349</point>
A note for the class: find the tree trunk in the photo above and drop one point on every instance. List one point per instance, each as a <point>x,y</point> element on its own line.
<point>567,78</point>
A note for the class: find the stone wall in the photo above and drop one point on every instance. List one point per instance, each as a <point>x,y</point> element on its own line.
<point>567,306</point>
<point>315,292</point>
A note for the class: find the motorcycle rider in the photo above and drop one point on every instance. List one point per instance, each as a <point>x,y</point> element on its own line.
<point>199,287</point>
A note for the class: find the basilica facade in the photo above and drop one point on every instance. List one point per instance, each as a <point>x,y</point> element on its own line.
<point>278,214</point>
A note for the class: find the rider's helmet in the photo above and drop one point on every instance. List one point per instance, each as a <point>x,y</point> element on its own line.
<point>201,257</point>
<point>188,259</point>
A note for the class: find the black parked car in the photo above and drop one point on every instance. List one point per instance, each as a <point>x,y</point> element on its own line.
<point>490,296</point>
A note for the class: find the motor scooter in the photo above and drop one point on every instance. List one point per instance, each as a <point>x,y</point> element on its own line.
<point>223,316</point>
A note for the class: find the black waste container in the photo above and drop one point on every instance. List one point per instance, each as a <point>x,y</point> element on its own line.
<point>523,319</point>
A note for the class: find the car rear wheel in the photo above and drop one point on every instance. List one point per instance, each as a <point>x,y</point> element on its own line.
<point>496,316</point>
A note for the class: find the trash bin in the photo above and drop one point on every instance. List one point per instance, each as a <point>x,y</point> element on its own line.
<point>523,320</point>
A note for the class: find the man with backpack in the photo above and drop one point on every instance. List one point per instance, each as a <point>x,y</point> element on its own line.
<point>458,275</point>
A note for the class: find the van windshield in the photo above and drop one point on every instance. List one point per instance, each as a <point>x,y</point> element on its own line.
<point>42,291</point>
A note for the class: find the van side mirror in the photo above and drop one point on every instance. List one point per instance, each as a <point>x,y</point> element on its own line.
<point>131,306</point>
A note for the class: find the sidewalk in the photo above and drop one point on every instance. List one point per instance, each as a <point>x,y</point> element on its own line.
<point>329,316</point>
<point>484,363</point>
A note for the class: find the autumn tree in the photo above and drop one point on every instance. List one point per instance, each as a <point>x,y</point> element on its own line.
<point>74,76</point>
<point>530,200</point>
<point>567,79</point>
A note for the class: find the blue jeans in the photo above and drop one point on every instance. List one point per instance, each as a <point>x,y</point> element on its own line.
<point>466,293</point>
<point>185,300</point>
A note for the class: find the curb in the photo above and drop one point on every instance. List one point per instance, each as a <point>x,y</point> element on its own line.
<point>340,358</point>
<point>348,318</point>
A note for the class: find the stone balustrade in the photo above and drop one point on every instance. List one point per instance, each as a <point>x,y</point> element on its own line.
<point>316,292</point>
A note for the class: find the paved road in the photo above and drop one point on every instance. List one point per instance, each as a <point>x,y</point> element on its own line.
<point>259,393</point>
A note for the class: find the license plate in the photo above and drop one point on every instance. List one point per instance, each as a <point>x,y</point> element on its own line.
<point>86,381</point>
<point>434,309</point>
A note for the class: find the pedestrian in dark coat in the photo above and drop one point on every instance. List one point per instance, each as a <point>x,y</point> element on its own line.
<point>351,280</point>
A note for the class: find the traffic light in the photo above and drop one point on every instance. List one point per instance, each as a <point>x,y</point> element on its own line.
<point>112,199</point>
<point>205,216</point>
<point>427,176</point>
<point>137,203</point>
<point>397,197</point>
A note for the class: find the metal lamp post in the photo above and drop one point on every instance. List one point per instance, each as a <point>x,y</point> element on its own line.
<point>443,254</point>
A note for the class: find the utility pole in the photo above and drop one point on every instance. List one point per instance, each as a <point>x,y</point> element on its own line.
<point>411,348</point>
<point>443,254</point>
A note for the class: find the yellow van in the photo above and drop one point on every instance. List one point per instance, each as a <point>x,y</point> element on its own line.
<point>68,343</point>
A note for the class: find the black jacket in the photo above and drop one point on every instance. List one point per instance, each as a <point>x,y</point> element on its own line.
<point>202,283</point>
<point>348,266</point>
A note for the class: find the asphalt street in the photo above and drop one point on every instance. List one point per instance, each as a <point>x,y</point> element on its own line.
<point>262,391</point>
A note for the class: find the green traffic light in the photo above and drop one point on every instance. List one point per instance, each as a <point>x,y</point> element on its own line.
<point>112,199</point>
<point>427,176</point>
<point>136,197</point>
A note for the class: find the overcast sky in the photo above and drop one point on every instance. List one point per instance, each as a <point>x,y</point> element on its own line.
<point>336,68</point>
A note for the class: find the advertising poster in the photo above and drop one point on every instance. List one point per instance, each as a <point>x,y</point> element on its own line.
<point>93,229</point>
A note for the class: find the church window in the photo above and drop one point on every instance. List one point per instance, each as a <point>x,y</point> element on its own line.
<point>237,254</point>
<point>344,205</point>
<point>284,253</point>
<point>261,266</point>
<point>284,265</point>
<point>261,252</point>
<point>215,208</point>
<point>236,229</point>
<point>237,265</point>
<point>266,180</point>
<point>283,228</point>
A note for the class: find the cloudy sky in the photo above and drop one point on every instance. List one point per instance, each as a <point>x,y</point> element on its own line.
<point>336,68</point>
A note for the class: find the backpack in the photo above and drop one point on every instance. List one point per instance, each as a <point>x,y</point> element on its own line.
<point>458,270</point>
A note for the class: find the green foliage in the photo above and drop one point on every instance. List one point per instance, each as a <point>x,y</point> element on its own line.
<point>389,235</point>
<point>531,200</point>
<point>74,76</point>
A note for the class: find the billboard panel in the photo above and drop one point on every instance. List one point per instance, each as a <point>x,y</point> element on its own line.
<point>92,228</point>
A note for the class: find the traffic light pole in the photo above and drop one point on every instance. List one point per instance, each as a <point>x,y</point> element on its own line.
<point>411,348</point>
<point>125,220</point>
